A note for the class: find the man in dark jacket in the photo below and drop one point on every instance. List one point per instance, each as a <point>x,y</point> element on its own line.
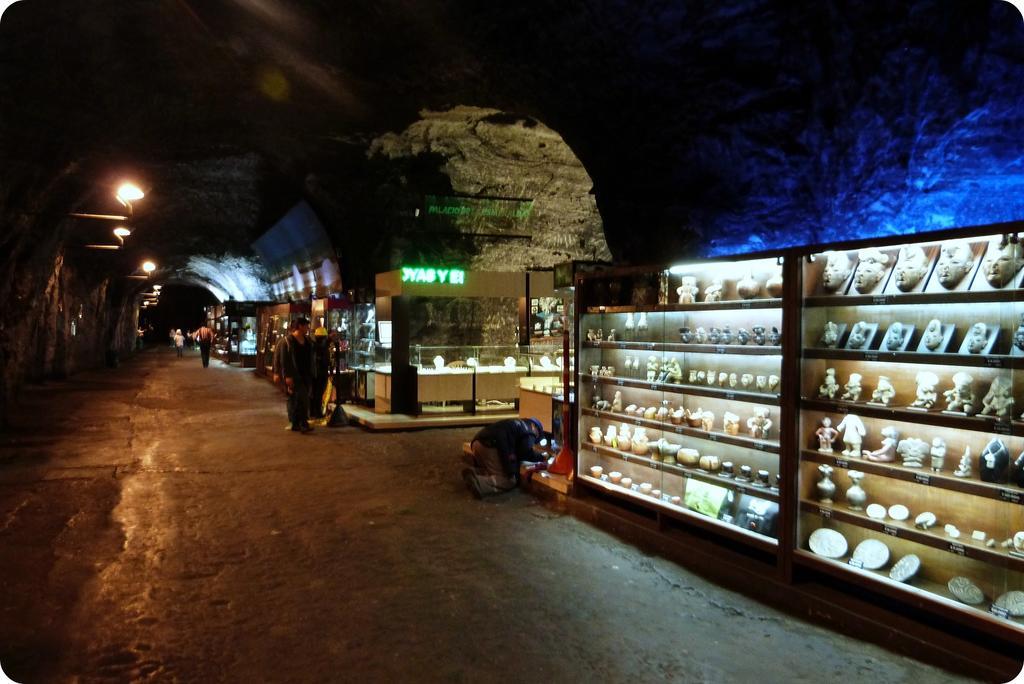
<point>498,449</point>
<point>321,368</point>
<point>297,369</point>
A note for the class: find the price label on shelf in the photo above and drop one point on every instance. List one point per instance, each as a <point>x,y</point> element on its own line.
<point>825,513</point>
<point>1001,427</point>
<point>651,346</point>
<point>655,387</point>
<point>745,304</point>
<point>635,487</point>
<point>638,421</point>
<point>842,463</point>
<point>843,409</point>
<point>763,446</point>
<point>719,349</point>
<point>994,361</point>
<point>999,611</point>
<point>870,356</point>
<point>857,563</point>
<point>922,478</point>
<point>680,430</point>
<point>730,395</point>
<point>1010,495</point>
<point>620,382</point>
<point>621,345</point>
<point>712,436</point>
<point>891,531</point>
<point>604,477</point>
<point>881,299</point>
<point>686,476</point>
<point>957,548</point>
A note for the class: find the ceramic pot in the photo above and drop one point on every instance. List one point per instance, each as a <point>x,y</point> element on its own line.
<point>856,497</point>
<point>714,336</point>
<point>826,487</point>
<point>669,452</point>
<point>773,286</point>
<point>688,457</point>
<point>595,434</point>
<point>710,463</point>
<point>747,288</point>
<point>774,336</point>
<point>758,333</point>
<point>685,335</point>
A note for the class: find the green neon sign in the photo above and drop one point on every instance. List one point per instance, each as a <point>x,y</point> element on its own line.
<point>435,276</point>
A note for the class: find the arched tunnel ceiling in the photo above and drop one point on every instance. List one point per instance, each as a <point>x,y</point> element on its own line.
<point>715,126</point>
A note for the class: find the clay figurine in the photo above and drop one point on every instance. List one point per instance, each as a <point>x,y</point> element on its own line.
<point>852,388</point>
<point>829,387</point>
<point>726,337</point>
<point>960,399</point>
<point>734,380</point>
<point>611,436</point>
<point>674,373</point>
<point>887,452</point>
<point>748,287</point>
<point>852,429</point>
<point>1003,261</point>
<point>837,271</point>
<point>687,290</point>
<point>773,382</point>
<point>758,333</point>
<point>730,423</point>
<point>652,368</point>
<point>617,402</point>
<point>884,393</point>
<point>977,338</point>
<point>926,393</point>
<point>746,379</point>
<point>774,337</point>
<point>759,425</point>
<point>858,336</point>
<point>826,487</point>
<point>774,285</point>
<point>641,325</point>
<point>826,435</point>
<point>611,335</point>
<point>713,292</point>
<point>714,335</point>
<point>630,326</point>
<point>707,420</point>
<point>964,468</point>
<point>993,462</point>
<point>761,383</point>
<point>895,337</point>
<point>1018,336</point>
<point>830,336</point>
<point>998,402</point>
<point>911,267</point>
<point>870,270</point>
<point>743,337</point>
<point>938,454</point>
<point>913,451</point>
<point>955,262</point>
<point>701,336</point>
<point>933,336</point>
<point>685,335</point>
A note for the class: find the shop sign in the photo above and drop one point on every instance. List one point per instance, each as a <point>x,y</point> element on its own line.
<point>434,276</point>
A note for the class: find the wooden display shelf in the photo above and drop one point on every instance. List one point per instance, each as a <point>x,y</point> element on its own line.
<point>1009,295</point>
<point>971,360</point>
<point>964,546</point>
<point>684,471</point>
<point>687,390</point>
<point>921,476</point>
<point>973,423</point>
<point>765,543</point>
<point>921,592</point>
<point>741,349</point>
<point>720,437</point>
<point>770,303</point>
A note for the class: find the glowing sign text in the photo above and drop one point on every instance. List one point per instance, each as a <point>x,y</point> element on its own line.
<point>441,276</point>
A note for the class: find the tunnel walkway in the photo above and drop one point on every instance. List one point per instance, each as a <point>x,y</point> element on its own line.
<point>159,522</point>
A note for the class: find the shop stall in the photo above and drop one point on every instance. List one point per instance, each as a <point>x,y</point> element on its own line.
<point>234,327</point>
<point>274,321</point>
<point>850,411</point>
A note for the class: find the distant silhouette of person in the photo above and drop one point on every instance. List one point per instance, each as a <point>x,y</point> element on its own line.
<point>204,336</point>
<point>321,370</point>
<point>179,342</point>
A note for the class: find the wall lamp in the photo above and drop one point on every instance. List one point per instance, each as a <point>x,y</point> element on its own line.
<point>126,194</point>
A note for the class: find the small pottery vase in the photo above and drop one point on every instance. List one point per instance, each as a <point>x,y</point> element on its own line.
<point>742,336</point>
<point>748,287</point>
<point>714,336</point>
<point>595,434</point>
<point>654,450</point>
<point>727,469</point>
<point>826,487</point>
<point>726,336</point>
<point>669,452</point>
<point>685,335</point>
<point>710,463</point>
<point>688,457</point>
<point>758,331</point>
<point>773,286</point>
<point>744,474</point>
<point>856,497</point>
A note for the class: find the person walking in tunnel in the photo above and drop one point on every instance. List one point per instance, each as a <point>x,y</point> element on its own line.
<point>297,370</point>
<point>321,368</point>
<point>498,449</point>
<point>204,336</point>
<point>179,342</point>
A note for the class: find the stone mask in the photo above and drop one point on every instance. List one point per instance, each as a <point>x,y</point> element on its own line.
<point>955,261</point>
<point>870,270</point>
<point>837,270</point>
<point>910,269</point>
<point>1002,262</point>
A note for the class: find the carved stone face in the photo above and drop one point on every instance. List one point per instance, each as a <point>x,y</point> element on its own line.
<point>911,267</point>
<point>978,337</point>
<point>858,336</point>
<point>1002,262</point>
<point>870,270</point>
<point>955,261</point>
<point>837,270</point>
<point>933,334</point>
<point>895,340</point>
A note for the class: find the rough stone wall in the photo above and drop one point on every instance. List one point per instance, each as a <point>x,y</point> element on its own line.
<point>457,321</point>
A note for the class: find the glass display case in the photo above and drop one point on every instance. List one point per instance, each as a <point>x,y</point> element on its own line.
<point>911,471</point>
<point>470,378</point>
<point>680,393</point>
<point>363,353</point>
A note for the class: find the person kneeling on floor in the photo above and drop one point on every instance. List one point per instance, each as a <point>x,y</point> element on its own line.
<point>498,449</point>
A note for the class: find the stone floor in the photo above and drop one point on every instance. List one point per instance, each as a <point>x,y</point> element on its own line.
<point>157,522</point>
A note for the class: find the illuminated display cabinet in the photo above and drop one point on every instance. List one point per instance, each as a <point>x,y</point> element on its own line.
<point>680,393</point>
<point>911,454</point>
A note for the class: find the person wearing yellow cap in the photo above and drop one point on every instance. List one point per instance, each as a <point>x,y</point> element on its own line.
<point>321,366</point>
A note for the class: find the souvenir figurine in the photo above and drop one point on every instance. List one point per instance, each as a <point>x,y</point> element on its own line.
<point>884,393</point>
<point>759,425</point>
<point>685,335</point>
<point>977,338</point>
<point>960,399</point>
<point>852,388</point>
<point>887,452</point>
<point>611,335</point>
<point>713,292</point>
<point>774,336</point>
<point>675,372</point>
<point>742,336</point>
<point>759,334</point>
<point>964,468</point>
<point>730,423</point>
<point>774,285</point>
<point>711,377</point>
<point>611,434</point>
<point>858,335</point>
<point>773,382</point>
<point>938,454</point>
<point>830,336</point>
<point>701,336</point>
<point>1003,261</point>
<point>761,383</point>
<point>926,393</point>
<point>746,379</point>
<point>629,327</point>
<point>933,335</point>
<point>826,435</point>
<point>733,380</point>
<point>911,267</point>
<point>641,325</point>
<point>726,337</point>
<point>870,269</point>
<point>895,337</point>
<point>829,387</point>
<point>837,270</point>
<point>687,290</point>
<point>590,335</point>
<point>595,434</point>
<point>652,368</point>
<point>707,421</point>
<point>993,462</point>
<point>748,287</point>
<point>714,335</point>
<point>1018,337</point>
<point>913,451</point>
<point>856,497</point>
<point>723,378</point>
<point>955,262</point>
<point>999,401</point>
<point>617,402</point>
<point>692,379</point>
<point>852,429</point>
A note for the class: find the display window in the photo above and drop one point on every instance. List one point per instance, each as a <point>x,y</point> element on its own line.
<point>911,453</point>
<point>680,393</point>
